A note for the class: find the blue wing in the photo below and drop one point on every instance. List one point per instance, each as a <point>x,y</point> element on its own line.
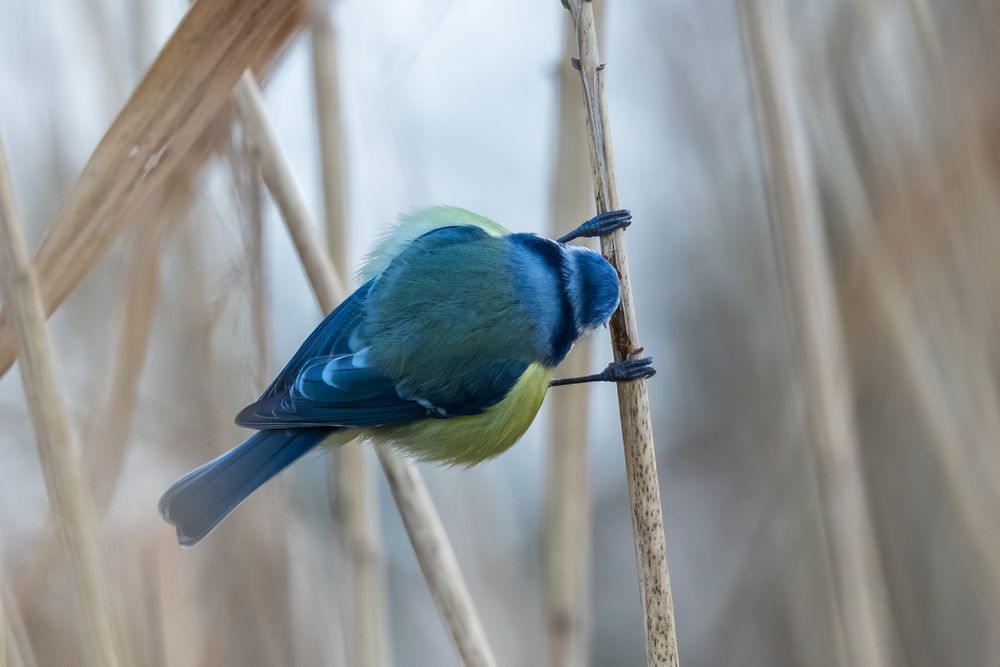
<point>362,398</point>
<point>343,391</point>
<point>332,336</point>
<point>334,391</point>
<point>329,382</point>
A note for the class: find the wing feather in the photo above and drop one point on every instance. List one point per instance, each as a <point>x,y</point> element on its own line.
<point>330,382</point>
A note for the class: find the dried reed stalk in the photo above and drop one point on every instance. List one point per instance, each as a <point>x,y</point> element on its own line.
<point>567,521</point>
<point>330,126</point>
<point>106,441</point>
<point>182,92</point>
<point>284,189</point>
<point>859,593</point>
<point>437,560</point>
<point>891,300</point>
<point>110,432</point>
<point>633,399</point>
<point>893,303</point>
<point>3,623</point>
<point>359,507</point>
<point>153,641</point>
<point>18,643</point>
<point>429,540</point>
<point>254,196</point>
<point>63,480</point>
<point>354,484</point>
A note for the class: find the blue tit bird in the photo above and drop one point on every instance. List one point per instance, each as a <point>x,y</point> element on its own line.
<point>446,351</point>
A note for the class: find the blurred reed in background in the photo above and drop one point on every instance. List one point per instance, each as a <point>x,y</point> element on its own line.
<point>202,298</point>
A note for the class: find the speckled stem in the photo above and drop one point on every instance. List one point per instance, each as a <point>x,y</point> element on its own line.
<point>633,400</point>
<point>352,482</point>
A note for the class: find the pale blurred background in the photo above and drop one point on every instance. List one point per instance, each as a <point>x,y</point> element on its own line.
<point>457,101</point>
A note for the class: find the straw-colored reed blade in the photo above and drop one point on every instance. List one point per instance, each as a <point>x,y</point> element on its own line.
<point>437,560</point>
<point>352,482</point>
<point>3,624</point>
<point>567,520</point>
<point>859,590</point>
<point>280,180</point>
<point>63,478</point>
<point>183,91</point>
<point>329,121</point>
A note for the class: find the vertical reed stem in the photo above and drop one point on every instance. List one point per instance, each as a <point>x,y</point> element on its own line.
<point>330,126</point>
<point>567,585</point>
<point>354,480</point>
<point>63,479</point>
<point>430,543</point>
<point>18,644</point>
<point>3,622</point>
<point>633,399</point>
<point>859,593</point>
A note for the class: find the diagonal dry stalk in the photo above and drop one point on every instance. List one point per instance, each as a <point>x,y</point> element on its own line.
<point>152,609</point>
<point>423,525</point>
<point>285,191</point>
<point>859,593</point>
<point>567,520</point>
<point>110,431</point>
<point>351,478</point>
<point>182,92</point>
<point>63,479</point>
<point>633,399</point>
<point>437,560</point>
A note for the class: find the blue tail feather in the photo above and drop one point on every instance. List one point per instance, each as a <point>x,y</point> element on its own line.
<point>197,502</point>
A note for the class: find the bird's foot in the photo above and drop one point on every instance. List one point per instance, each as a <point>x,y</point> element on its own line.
<point>601,224</point>
<point>627,370</point>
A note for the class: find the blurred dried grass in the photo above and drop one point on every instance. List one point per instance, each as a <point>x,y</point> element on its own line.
<point>903,121</point>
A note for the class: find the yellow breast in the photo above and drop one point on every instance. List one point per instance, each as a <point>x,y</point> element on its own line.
<point>470,439</point>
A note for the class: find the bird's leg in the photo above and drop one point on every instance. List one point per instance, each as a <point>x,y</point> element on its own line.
<point>600,225</point>
<point>626,370</point>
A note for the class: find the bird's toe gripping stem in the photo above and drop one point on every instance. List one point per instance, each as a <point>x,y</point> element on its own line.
<point>601,224</point>
<point>626,370</point>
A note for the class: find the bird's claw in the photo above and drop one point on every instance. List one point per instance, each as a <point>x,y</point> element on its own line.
<point>629,370</point>
<point>601,224</point>
<point>606,223</point>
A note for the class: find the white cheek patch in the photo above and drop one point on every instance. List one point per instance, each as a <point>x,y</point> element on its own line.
<point>579,300</point>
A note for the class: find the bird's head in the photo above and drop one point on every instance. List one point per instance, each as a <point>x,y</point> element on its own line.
<point>592,287</point>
